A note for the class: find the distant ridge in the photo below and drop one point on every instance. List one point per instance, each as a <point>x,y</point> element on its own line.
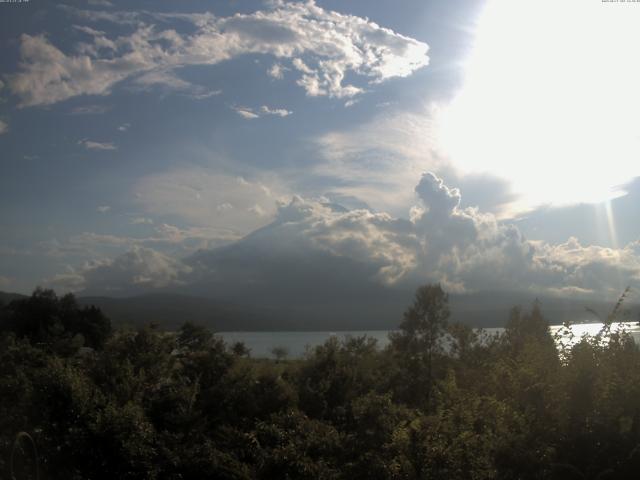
<point>169,311</point>
<point>6,297</point>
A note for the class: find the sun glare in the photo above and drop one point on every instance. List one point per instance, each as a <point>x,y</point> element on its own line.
<point>551,100</point>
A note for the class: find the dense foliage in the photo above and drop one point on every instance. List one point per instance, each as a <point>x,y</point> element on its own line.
<point>442,401</point>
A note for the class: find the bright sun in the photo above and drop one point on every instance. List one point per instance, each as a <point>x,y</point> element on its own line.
<point>551,99</point>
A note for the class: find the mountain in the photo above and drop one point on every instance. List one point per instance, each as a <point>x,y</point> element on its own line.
<point>480,310</point>
<point>170,310</point>
<point>324,267</point>
<point>6,297</point>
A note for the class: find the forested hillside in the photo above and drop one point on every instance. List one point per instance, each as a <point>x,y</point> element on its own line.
<point>109,403</point>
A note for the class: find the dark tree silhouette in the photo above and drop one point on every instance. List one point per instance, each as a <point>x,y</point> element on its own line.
<point>420,337</point>
<point>45,318</point>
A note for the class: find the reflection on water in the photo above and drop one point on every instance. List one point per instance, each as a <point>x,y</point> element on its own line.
<point>296,343</point>
<point>592,329</point>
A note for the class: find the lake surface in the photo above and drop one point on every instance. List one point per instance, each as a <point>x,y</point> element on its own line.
<point>297,343</point>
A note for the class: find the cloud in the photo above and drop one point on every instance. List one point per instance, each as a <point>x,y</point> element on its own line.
<point>276,71</point>
<point>100,3</point>
<point>328,83</point>
<point>436,196</point>
<point>167,80</point>
<point>90,110</point>
<point>258,210</point>
<point>376,160</point>
<point>103,208</point>
<point>4,127</point>
<point>246,113</point>
<point>250,114</point>
<point>464,249</point>
<point>202,93</point>
<point>137,270</point>
<point>323,46</point>
<point>165,238</point>
<point>124,260</point>
<point>49,76</point>
<point>280,112</point>
<point>202,197</point>
<point>164,78</point>
<point>91,145</point>
<point>70,280</point>
<point>124,127</point>
<point>317,252</point>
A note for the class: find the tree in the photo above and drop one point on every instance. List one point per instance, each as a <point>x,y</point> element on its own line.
<point>194,337</point>
<point>420,337</point>
<point>523,328</point>
<point>44,318</point>
<point>239,349</point>
<point>280,353</point>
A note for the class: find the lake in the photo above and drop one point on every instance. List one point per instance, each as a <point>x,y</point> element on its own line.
<point>296,343</point>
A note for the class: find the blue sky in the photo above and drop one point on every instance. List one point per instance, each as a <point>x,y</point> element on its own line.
<point>134,135</point>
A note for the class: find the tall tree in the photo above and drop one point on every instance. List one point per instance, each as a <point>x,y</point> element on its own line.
<point>420,337</point>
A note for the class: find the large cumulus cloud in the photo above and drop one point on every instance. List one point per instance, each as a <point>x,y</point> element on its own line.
<point>321,46</point>
<point>139,270</point>
<point>320,250</point>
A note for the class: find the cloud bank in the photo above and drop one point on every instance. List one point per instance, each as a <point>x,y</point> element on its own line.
<point>321,46</point>
<point>133,272</point>
<point>315,247</point>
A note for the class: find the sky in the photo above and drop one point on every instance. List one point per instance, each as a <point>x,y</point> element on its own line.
<point>203,146</point>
